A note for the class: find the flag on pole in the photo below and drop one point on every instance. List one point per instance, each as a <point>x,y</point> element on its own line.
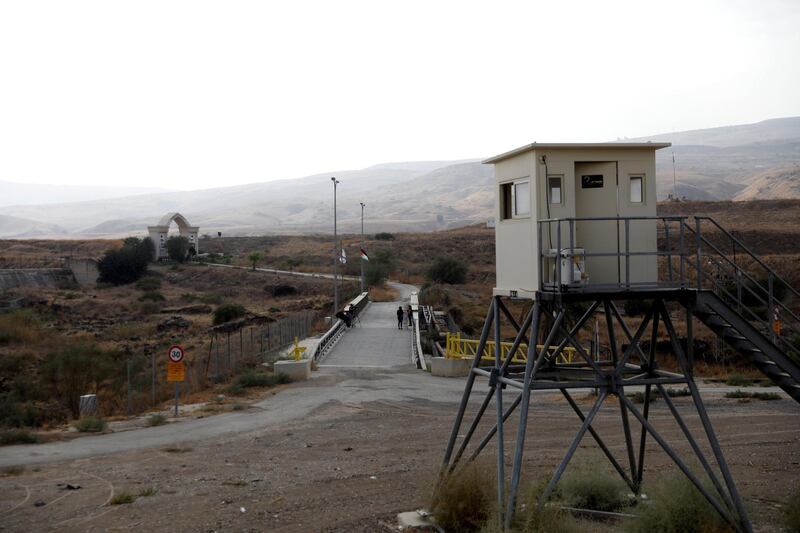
<point>364,255</point>
<point>343,257</point>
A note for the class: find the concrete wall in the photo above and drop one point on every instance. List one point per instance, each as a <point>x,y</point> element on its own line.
<point>32,277</point>
<point>84,271</point>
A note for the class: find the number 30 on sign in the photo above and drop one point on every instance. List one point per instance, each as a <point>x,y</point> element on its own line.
<point>176,353</point>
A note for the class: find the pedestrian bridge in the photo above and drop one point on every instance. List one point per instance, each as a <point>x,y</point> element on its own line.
<point>374,341</point>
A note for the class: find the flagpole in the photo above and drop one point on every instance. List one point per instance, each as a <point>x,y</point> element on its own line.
<point>362,246</point>
<point>335,257</point>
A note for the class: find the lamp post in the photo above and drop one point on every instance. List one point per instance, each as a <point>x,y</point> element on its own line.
<point>362,246</point>
<point>335,256</point>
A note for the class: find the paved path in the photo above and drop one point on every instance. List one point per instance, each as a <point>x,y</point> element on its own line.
<point>375,341</point>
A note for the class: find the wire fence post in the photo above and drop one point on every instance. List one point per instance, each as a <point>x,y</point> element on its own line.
<point>153,378</point>
<point>128,365</point>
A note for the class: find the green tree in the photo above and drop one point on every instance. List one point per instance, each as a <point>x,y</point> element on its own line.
<point>254,258</point>
<point>447,270</point>
<point>178,248</point>
<point>380,265</point>
<point>145,247</point>
<point>123,266</point>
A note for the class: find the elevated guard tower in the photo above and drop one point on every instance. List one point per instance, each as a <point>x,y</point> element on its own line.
<point>577,224</point>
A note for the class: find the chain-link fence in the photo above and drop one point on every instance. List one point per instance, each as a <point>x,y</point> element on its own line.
<point>228,352</point>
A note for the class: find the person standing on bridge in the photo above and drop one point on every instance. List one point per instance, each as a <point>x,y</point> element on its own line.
<point>409,316</point>
<point>400,317</point>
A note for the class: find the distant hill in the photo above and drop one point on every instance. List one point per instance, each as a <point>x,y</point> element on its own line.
<point>745,162</point>
<point>12,193</point>
<point>16,227</point>
<point>766,131</point>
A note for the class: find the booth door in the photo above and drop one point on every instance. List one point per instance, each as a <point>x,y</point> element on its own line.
<point>597,195</point>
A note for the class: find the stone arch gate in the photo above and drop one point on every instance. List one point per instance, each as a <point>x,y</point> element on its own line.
<point>159,233</point>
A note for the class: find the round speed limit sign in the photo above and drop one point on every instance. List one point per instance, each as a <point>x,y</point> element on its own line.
<point>176,353</point>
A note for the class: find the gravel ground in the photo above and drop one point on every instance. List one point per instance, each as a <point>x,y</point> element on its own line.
<point>351,466</point>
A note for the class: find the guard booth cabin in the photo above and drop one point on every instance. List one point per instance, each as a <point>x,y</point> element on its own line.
<point>573,198</point>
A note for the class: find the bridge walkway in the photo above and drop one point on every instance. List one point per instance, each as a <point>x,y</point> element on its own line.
<point>375,341</point>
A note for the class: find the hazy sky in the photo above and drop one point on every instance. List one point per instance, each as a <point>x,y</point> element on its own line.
<point>190,94</point>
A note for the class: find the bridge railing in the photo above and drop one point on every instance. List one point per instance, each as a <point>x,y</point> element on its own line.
<point>461,348</point>
<point>417,355</point>
<point>332,336</point>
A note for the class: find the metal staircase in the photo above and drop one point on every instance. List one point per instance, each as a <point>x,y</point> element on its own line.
<point>745,338</point>
<point>746,303</point>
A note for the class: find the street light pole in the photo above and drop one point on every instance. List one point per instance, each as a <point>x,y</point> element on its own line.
<point>335,256</point>
<point>362,247</point>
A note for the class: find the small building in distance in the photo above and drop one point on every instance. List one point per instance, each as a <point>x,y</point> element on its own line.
<point>540,182</point>
<point>158,233</point>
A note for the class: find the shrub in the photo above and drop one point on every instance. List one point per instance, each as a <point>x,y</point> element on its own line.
<point>156,420</point>
<point>90,424</point>
<point>17,436</point>
<point>235,390</point>
<point>146,492</point>
<point>740,394</point>
<point>144,247</point>
<point>549,519</point>
<point>676,506</point>
<point>148,283</point>
<point>152,296</point>
<point>384,236</point>
<point>738,380</point>
<point>19,326</point>
<point>77,369</point>
<point>122,498</point>
<point>639,397</point>
<point>123,266</point>
<point>281,290</point>
<point>464,500</point>
<point>254,378</point>
<point>376,274</point>
<point>447,270</point>
<point>177,248</point>
<point>227,312</point>
<point>792,510</point>
<point>18,414</point>
<point>592,488</point>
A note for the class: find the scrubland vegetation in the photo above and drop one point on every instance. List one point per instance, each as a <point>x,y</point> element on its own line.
<point>70,341</point>
<point>465,501</point>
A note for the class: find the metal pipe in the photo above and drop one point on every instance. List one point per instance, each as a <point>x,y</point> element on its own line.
<point>335,256</point>
<point>572,447</point>
<point>498,401</point>
<point>362,247</point>
<point>468,387</point>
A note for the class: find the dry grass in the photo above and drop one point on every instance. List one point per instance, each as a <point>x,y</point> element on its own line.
<point>383,294</point>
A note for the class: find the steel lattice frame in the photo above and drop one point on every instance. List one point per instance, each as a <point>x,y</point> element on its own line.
<point>631,366</point>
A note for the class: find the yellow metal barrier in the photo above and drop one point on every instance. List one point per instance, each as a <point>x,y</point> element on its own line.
<point>458,348</point>
<point>298,350</point>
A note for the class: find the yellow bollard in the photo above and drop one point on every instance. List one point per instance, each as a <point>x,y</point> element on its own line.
<point>298,350</point>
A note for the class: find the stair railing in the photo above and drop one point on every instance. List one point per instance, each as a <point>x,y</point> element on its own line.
<point>751,289</point>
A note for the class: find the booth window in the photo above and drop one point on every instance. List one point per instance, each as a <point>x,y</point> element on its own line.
<point>554,189</point>
<point>515,199</point>
<point>637,189</point>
